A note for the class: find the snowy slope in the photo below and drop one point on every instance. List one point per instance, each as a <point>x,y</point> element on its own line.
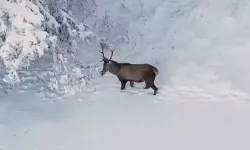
<point>134,119</point>
<point>203,44</point>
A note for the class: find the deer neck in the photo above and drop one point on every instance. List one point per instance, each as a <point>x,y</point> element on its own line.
<point>114,67</point>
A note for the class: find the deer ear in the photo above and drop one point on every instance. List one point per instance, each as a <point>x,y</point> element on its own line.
<point>110,62</point>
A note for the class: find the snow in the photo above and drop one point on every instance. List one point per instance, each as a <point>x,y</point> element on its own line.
<point>201,50</point>
<point>109,119</point>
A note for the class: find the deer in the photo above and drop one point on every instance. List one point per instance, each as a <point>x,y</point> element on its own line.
<point>128,72</point>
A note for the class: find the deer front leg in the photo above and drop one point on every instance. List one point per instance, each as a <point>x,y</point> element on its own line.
<point>123,84</point>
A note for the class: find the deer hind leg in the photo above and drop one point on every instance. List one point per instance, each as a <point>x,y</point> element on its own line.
<point>147,83</point>
<point>150,84</point>
<point>131,83</point>
<point>154,87</point>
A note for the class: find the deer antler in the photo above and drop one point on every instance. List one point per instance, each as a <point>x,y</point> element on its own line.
<point>112,52</point>
<point>103,45</point>
<point>102,51</point>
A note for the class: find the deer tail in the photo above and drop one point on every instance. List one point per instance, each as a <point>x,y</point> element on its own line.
<point>156,71</point>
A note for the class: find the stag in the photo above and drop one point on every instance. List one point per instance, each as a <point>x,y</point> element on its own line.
<point>129,72</point>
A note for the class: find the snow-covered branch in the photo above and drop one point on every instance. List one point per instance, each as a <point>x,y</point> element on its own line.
<point>29,29</point>
<point>22,36</point>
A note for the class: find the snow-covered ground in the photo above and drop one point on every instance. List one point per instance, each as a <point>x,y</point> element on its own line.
<point>109,119</point>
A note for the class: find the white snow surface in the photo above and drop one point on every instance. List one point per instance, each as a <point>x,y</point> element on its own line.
<point>201,49</point>
<point>111,119</point>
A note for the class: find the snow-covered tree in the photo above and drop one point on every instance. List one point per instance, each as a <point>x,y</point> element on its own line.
<point>22,35</point>
<point>30,29</point>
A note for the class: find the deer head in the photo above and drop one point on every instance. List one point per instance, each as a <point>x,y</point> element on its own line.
<point>104,59</point>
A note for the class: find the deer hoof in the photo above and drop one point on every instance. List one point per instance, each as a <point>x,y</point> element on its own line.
<point>155,92</point>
